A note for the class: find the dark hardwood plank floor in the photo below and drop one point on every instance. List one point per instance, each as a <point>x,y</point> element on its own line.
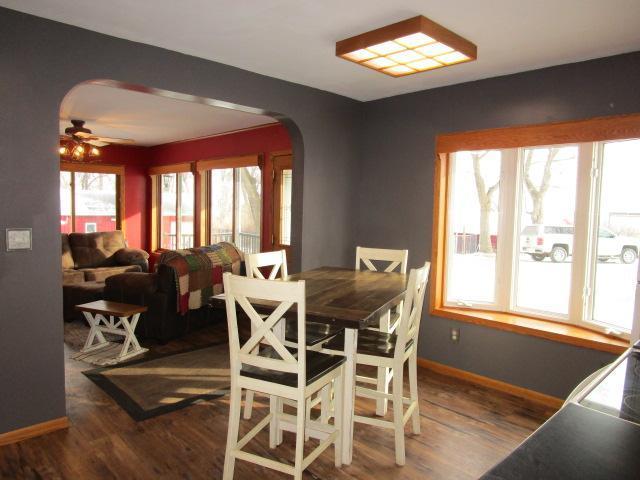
<point>465,430</point>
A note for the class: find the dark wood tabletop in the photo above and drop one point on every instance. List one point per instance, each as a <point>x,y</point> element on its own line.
<point>111,308</point>
<point>346,297</point>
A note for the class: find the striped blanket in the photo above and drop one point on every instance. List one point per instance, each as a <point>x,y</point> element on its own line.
<point>198,272</point>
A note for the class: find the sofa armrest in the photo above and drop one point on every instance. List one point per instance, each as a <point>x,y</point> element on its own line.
<point>132,256</point>
<point>132,283</point>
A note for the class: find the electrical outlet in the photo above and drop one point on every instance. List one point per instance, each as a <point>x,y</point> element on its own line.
<point>455,335</point>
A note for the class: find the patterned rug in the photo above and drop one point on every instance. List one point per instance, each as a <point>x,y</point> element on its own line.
<point>159,384</point>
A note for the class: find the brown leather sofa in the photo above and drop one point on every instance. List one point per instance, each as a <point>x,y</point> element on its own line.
<point>88,259</point>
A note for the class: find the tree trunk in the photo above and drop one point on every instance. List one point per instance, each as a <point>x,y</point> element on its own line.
<point>484,199</point>
<point>251,195</point>
<point>537,193</point>
<point>485,231</point>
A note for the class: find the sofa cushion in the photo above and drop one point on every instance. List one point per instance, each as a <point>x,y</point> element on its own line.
<point>95,249</point>
<point>132,256</point>
<point>71,276</point>
<point>100,274</point>
<point>67,258</point>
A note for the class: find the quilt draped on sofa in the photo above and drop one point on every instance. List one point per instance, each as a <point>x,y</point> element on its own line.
<point>198,272</point>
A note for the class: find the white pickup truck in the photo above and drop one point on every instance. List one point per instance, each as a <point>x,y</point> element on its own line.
<point>556,242</point>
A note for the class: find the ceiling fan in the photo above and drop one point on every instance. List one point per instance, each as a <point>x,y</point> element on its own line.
<point>79,133</point>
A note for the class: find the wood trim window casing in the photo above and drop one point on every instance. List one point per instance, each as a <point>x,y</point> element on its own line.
<point>156,174</point>
<point>200,170</point>
<point>204,168</point>
<point>229,162</point>
<point>281,161</point>
<point>593,130</point>
<point>173,168</point>
<point>117,170</point>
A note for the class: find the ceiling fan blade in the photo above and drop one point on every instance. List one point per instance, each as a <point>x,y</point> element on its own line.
<point>84,135</point>
<point>97,143</point>
<point>122,141</point>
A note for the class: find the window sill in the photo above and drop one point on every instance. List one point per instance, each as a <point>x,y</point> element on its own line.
<point>549,330</point>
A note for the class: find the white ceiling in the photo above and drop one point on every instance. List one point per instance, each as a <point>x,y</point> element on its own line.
<point>149,119</point>
<point>295,39</point>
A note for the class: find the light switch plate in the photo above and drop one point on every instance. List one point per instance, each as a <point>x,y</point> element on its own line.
<point>18,239</point>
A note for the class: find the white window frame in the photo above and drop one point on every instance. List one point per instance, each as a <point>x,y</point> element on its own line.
<point>585,237</point>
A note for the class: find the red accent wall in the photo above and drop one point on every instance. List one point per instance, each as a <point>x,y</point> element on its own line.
<point>263,141</point>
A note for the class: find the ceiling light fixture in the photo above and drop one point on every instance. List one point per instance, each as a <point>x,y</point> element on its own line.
<point>77,150</point>
<point>411,46</point>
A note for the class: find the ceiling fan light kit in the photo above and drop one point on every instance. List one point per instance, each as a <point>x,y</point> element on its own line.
<point>79,143</point>
<point>404,48</point>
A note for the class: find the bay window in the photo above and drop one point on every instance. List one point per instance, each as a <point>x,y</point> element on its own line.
<point>539,230</point>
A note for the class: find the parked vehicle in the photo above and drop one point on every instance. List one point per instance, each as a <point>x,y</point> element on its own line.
<point>556,242</point>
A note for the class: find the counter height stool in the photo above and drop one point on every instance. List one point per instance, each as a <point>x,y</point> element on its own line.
<point>397,261</point>
<point>316,333</point>
<point>392,350</point>
<point>278,371</point>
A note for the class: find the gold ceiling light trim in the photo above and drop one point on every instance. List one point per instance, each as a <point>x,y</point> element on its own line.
<point>404,48</point>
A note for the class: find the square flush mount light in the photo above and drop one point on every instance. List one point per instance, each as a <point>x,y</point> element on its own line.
<point>411,46</point>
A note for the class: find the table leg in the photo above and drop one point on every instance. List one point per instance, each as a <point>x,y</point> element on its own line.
<point>130,339</point>
<point>94,323</point>
<point>383,372</point>
<point>350,349</point>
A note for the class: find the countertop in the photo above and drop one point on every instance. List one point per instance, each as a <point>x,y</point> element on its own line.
<point>576,443</point>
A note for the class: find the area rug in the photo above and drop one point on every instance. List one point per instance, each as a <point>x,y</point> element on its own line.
<point>160,384</point>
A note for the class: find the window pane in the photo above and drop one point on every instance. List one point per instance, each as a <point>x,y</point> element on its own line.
<point>66,225</point>
<point>473,227</point>
<point>95,202</point>
<point>249,208</point>
<point>618,235</point>
<point>187,199</point>
<point>222,205</point>
<point>168,211</point>
<point>547,212</point>
<point>285,208</point>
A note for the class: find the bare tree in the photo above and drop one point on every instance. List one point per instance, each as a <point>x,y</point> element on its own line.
<point>250,185</point>
<point>537,192</point>
<point>485,200</point>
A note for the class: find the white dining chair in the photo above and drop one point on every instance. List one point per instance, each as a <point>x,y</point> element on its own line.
<point>395,260</point>
<point>256,265</point>
<point>392,351</point>
<point>278,372</point>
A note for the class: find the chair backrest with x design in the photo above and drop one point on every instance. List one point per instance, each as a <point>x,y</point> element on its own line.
<point>409,326</point>
<point>284,295</point>
<point>277,260</point>
<point>396,258</point>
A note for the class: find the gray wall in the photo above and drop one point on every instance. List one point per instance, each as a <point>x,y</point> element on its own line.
<point>395,203</point>
<point>40,61</point>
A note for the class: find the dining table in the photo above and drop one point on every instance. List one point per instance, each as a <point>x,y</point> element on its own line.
<point>355,300</point>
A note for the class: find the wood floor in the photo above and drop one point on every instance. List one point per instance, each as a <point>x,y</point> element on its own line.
<point>465,430</point>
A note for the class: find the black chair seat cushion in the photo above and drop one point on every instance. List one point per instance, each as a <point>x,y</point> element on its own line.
<point>318,365</point>
<point>316,332</point>
<point>370,342</point>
